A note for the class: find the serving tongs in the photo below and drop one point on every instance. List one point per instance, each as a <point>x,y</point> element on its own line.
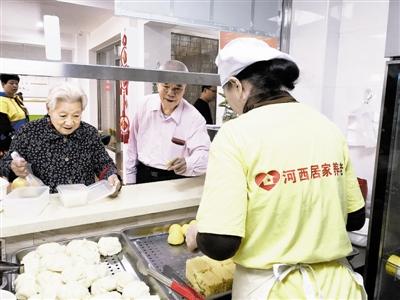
<point>182,289</point>
<point>7,267</point>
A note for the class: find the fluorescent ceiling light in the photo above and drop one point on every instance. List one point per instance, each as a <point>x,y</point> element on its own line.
<point>52,37</point>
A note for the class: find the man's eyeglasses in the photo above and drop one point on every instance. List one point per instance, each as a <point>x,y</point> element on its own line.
<point>212,90</point>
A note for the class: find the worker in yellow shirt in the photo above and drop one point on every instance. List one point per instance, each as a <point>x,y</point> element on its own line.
<point>13,113</point>
<point>280,191</point>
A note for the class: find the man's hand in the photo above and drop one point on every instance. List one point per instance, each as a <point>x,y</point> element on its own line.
<point>191,235</point>
<point>114,181</point>
<point>178,165</point>
<point>19,167</point>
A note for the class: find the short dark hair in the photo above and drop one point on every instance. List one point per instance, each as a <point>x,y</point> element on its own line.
<point>6,77</point>
<point>272,75</point>
<point>205,87</point>
<point>268,79</point>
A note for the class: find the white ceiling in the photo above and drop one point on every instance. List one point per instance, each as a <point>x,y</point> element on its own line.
<point>19,18</point>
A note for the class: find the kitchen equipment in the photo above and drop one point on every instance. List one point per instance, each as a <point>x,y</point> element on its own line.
<point>26,201</point>
<point>123,261</point>
<point>392,266</point>
<point>170,272</point>
<point>8,267</point>
<point>155,250</point>
<point>181,289</point>
<point>151,246</point>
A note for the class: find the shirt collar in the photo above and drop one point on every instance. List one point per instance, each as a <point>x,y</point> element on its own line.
<point>176,115</point>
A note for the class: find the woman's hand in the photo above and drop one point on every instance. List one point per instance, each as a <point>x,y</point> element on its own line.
<point>19,167</point>
<point>114,181</point>
<point>191,236</point>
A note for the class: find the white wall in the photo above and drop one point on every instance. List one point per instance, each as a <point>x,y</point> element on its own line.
<point>339,46</point>
<point>86,44</point>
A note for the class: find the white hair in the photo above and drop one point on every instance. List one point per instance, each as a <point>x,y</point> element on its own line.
<point>66,92</point>
<point>174,65</point>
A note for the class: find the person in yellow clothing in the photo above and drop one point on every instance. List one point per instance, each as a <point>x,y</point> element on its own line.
<point>13,113</point>
<point>280,191</point>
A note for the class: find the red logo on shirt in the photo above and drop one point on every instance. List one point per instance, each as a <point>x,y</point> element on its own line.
<point>268,180</point>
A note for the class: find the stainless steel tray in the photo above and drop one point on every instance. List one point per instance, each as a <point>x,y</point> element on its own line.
<point>150,244</point>
<point>123,261</point>
<point>157,252</point>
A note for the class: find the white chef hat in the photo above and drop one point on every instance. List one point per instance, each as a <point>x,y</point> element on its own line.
<point>243,52</point>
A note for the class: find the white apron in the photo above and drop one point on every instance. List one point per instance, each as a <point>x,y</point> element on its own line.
<point>256,284</point>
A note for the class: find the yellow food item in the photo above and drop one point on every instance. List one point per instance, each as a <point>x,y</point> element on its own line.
<point>208,276</point>
<point>175,227</point>
<point>175,238</point>
<point>185,228</point>
<point>393,265</point>
<point>192,222</point>
<point>18,182</point>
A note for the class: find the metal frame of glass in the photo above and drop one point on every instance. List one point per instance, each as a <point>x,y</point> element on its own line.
<point>384,229</point>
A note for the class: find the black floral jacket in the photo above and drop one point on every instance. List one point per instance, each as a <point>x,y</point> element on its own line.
<point>57,159</point>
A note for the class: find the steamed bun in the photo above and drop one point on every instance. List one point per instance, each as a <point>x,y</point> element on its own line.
<point>123,278</point>
<point>105,296</point>
<point>103,285</point>
<point>94,272</point>
<point>49,248</point>
<point>135,290</point>
<point>85,249</point>
<point>31,262</point>
<point>73,273</point>
<point>109,246</point>
<point>26,286</point>
<point>72,290</point>
<point>56,262</point>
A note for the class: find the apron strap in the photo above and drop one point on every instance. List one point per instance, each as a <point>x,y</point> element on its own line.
<point>263,281</point>
<point>356,277</point>
<point>282,270</point>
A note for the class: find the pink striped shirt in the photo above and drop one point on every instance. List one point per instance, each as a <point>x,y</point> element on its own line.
<point>151,134</point>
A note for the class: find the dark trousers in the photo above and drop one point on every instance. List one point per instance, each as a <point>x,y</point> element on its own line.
<point>149,174</point>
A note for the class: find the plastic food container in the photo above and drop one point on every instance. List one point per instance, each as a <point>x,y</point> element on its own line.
<point>72,195</point>
<point>31,200</point>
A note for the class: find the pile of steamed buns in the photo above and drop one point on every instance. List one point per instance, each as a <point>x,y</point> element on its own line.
<point>75,271</point>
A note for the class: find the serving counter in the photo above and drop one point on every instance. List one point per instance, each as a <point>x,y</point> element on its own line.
<point>139,204</point>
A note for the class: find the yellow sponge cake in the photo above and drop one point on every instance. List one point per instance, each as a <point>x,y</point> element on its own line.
<point>208,276</point>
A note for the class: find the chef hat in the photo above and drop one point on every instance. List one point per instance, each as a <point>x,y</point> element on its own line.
<point>243,52</point>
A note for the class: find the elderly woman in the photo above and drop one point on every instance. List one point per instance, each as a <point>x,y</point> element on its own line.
<point>280,190</point>
<point>61,148</point>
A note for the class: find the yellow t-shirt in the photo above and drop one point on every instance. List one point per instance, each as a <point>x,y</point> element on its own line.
<point>280,177</point>
<point>12,109</point>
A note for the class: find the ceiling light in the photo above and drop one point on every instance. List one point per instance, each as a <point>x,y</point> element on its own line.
<point>52,37</point>
<point>39,24</point>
